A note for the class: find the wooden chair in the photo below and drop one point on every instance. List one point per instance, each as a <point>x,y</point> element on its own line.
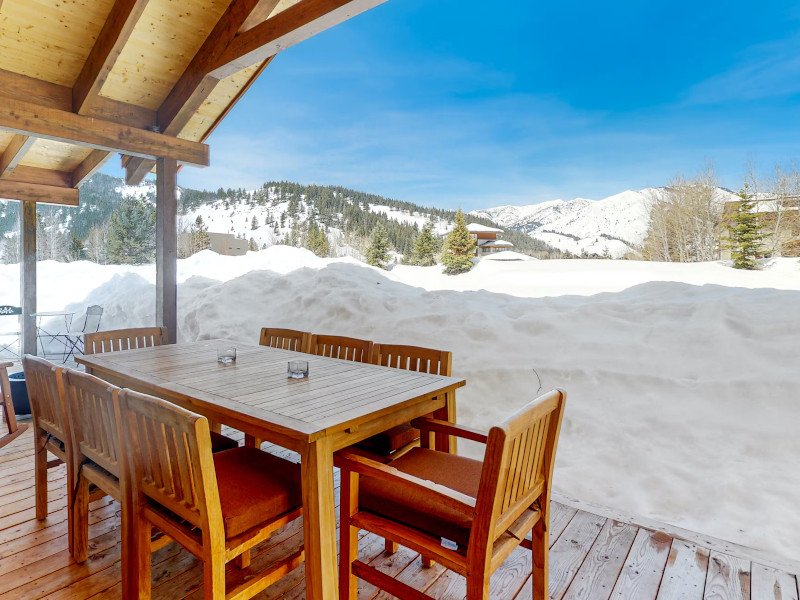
<point>336,346</point>
<point>393,443</point>
<point>143,337</point>
<point>285,339</point>
<point>125,339</point>
<point>51,431</point>
<point>216,506</point>
<point>13,429</point>
<point>485,509</point>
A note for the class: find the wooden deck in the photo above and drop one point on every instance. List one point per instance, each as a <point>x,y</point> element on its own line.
<point>595,555</point>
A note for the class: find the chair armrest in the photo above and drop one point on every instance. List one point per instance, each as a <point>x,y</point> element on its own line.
<point>435,425</point>
<point>434,492</point>
<point>6,365</point>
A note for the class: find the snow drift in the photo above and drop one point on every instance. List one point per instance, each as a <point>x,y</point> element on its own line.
<point>681,379</point>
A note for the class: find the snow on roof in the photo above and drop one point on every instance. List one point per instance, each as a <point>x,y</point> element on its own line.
<point>496,243</point>
<point>476,228</point>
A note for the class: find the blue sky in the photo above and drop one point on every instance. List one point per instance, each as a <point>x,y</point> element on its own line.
<point>447,103</point>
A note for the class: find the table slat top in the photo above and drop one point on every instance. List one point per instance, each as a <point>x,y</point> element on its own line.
<point>336,395</point>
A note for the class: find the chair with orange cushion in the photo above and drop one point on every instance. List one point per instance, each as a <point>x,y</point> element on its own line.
<point>285,339</point>
<point>393,443</point>
<point>217,506</point>
<point>345,348</point>
<point>467,515</point>
<point>143,337</point>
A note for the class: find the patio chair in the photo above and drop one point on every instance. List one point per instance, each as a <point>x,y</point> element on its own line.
<point>345,348</point>
<point>124,339</point>
<point>91,324</point>
<point>51,431</point>
<point>142,337</point>
<point>285,339</point>
<point>466,514</point>
<point>216,506</point>
<point>14,334</point>
<point>393,443</point>
<point>13,429</point>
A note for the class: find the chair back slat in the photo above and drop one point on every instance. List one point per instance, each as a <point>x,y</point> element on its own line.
<point>413,358</point>
<point>285,339</point>
<point>519,461</point>
<point>46,393</point>
<point>344,348</point>
<point>170,451</point>
<point>95,420</point>
<point>125,339</point>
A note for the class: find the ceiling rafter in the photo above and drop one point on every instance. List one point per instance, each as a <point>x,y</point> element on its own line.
<point>107,47</point>
<point>194,85</point>
<point>13,154</point>
<point>287,28</point>
<point>89,166</point>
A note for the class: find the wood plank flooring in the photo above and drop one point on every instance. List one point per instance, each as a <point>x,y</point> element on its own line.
<point>592,557</point>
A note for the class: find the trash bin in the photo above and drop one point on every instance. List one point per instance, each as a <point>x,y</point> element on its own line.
<point>19,393</point>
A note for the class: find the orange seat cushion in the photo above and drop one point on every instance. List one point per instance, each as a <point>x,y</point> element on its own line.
<point>399,504</point>
<point>220,442</point>
<point>254,488</point>
<point>391,440</point>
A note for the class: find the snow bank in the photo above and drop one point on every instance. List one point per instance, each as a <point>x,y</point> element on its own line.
<point>681,379</point>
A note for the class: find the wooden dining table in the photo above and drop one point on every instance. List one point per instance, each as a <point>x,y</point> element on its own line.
<point>340,403</point>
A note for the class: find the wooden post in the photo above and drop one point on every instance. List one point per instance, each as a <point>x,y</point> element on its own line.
<point>167,246</point>
<point>27,275</point>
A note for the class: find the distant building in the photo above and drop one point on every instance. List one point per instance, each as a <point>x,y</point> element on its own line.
<point>227,244</point>
<point>487,239</point>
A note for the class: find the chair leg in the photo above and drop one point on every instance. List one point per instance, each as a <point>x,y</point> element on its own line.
<point>252,442</point>
<point>214,577</point>
<point>348,536</point>
<point>427,562</point>
<point>540,542</point>
<point>390,546</point>
<point>80,521</point>
<point>478,586</point>
<point>40,466</point>
<point>142,531</point>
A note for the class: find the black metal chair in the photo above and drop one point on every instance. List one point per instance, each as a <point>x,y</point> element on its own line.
<point>15,335</point>
<point>91,324</point>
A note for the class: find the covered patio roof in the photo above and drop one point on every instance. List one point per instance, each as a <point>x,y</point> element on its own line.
<point>81,80</point>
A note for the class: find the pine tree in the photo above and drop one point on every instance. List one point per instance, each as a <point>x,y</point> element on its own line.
<point>745,239</point>
<point>76,250</point>
<point>252,245</point>
<point>459,248</point>
<point>425,247</point>
<point>378,250</point>
<point>254,223</point>
<point>317,241</point>
<point>131,233</point>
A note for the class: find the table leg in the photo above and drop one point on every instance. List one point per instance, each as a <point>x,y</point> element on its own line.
<point>444,442</point>
<point>319,520</point>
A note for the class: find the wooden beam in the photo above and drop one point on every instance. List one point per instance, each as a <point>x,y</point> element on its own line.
<point>90,165</point>
<point>295,24</point>
<point>27,274</point>
<point>13,153</point>
<point>32,192</point>
<point>107,47</point>
<point>167,246</point>
<point>194,85</point>
<point>25,174</point>
<point>49,123</point>
<point>259,14</point>
<point>14,86</point>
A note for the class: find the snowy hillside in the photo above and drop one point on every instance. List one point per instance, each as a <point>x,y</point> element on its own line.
<point>615,225</point>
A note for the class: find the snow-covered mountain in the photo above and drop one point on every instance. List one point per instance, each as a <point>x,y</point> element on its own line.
<point>616,225</point>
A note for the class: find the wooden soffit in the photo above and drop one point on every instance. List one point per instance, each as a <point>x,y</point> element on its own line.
<point>84,79</point>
